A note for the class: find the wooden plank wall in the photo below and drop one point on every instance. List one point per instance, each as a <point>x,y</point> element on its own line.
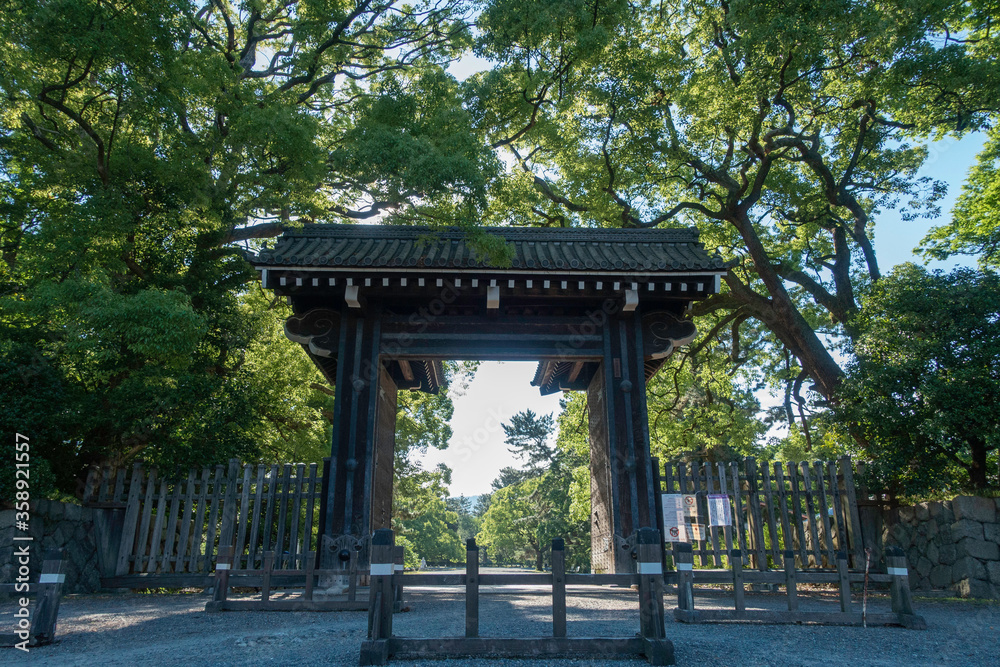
<point>810,508</point>
<point>175,522</point>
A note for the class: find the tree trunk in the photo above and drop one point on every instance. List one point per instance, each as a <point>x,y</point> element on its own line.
<point>977,471</point>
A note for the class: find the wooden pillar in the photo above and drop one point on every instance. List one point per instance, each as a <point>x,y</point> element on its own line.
<point>623,494</point>
<point>349,497</point>
<point>384,451</point>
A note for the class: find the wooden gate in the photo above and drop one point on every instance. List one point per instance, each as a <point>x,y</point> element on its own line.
<point>165,529</point>
<point>809,508</point>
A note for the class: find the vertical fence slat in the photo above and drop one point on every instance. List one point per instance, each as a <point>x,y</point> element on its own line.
<point>857,546</point>
<point>255,526</point>
<point>213,518</point>
<point>727,531</point>
<point>771,524</point>
<point>811,512</point>
<point>714,530</point>
<point>119,492</point>
<point>170,530</point>
<point>310,508</point>
<point>695,483</point>
<point>142,547</point>
<point>838,507</point>
<point>824,512</point>
<point>102,495</point>
<point>754,502</point>
<point>272,488</point>
<point>154,544</point>
<point>295,516</point>
<point>793,480</point>
<point>668,477</point>
<point>131,521</point>
<point>243,519</point>
<point>788,541</point>
<point>734,469</point>
<point>227,519</point>
<point>182,545</point>
<point>279,543</point>
<point>198,537</point>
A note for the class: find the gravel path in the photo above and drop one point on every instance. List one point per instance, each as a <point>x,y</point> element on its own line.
<point>173,629</point>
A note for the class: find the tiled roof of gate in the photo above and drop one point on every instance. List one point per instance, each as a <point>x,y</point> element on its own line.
<point>535,248</point>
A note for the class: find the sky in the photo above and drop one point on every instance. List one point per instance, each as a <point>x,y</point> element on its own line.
<point>500,389</point>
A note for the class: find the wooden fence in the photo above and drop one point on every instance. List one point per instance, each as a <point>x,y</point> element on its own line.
<point>173,524</point>
<point>809,508</point>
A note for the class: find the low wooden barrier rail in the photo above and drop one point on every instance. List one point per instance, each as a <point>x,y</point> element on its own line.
<point>306,579</point>
<point>902,605</point>
<point>41,628</point>
<point>651,641</point>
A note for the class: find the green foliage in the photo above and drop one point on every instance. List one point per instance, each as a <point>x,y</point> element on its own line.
<point>975,222</point>
<point>782,130</point>
<point>138,143</point>
<point>523,517</point>
<point>432,533</point>
<point>925,384</point>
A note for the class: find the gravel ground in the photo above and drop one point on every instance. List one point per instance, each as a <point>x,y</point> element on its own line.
<point>175,630</point>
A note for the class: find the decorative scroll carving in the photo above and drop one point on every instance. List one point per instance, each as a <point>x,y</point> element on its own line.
<point>662,332</point>
<point>338,551</point>
<point>319,329</point>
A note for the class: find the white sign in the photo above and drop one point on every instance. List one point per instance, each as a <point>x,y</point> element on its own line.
<point>697,531</point>
<point>674,526</point>
<point>718,511</point>
<point>691,505</point>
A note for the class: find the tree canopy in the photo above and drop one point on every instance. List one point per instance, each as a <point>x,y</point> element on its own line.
<point>925,382</point>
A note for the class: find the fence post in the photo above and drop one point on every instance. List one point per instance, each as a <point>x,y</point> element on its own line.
<point>657,649</point>
<point>685,581</point>
<point>845,582</point>
<point>902,602</point>
<point>50,583</point>
<point>736,561</point>
<point>398,557</point>
<point>558,587</point>
<point>220,587</point>
<point>265,584</point>
<point>226,532</point>
<point>471,588</point>
<point>790,585</point>
<point>375,650</point>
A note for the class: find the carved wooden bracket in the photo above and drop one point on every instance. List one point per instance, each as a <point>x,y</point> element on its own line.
<point>319,329</point>
<point>662,332</point>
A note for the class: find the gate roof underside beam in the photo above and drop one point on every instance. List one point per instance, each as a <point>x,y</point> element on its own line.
<point>437,298</point>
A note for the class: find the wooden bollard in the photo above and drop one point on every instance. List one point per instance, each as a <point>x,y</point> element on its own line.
<point>265,584</point>
<point>791,588</point>
<point>736,561</point>
<point>845,582</point>
<point>685,577</point>
<point>558,587</point>
<point>375,651</point>
<point>311,558</point>
<point>902,602</point>
<point>398,557</point>
<point>223,566</point>
<point>650,570</point>
<point>471,588</point>
<point>50,583</point>
<point>899,588</point>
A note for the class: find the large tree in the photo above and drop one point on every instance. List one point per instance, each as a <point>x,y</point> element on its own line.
<point>925,382</point>
<point>779,128</point>
<point>139,144</point>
